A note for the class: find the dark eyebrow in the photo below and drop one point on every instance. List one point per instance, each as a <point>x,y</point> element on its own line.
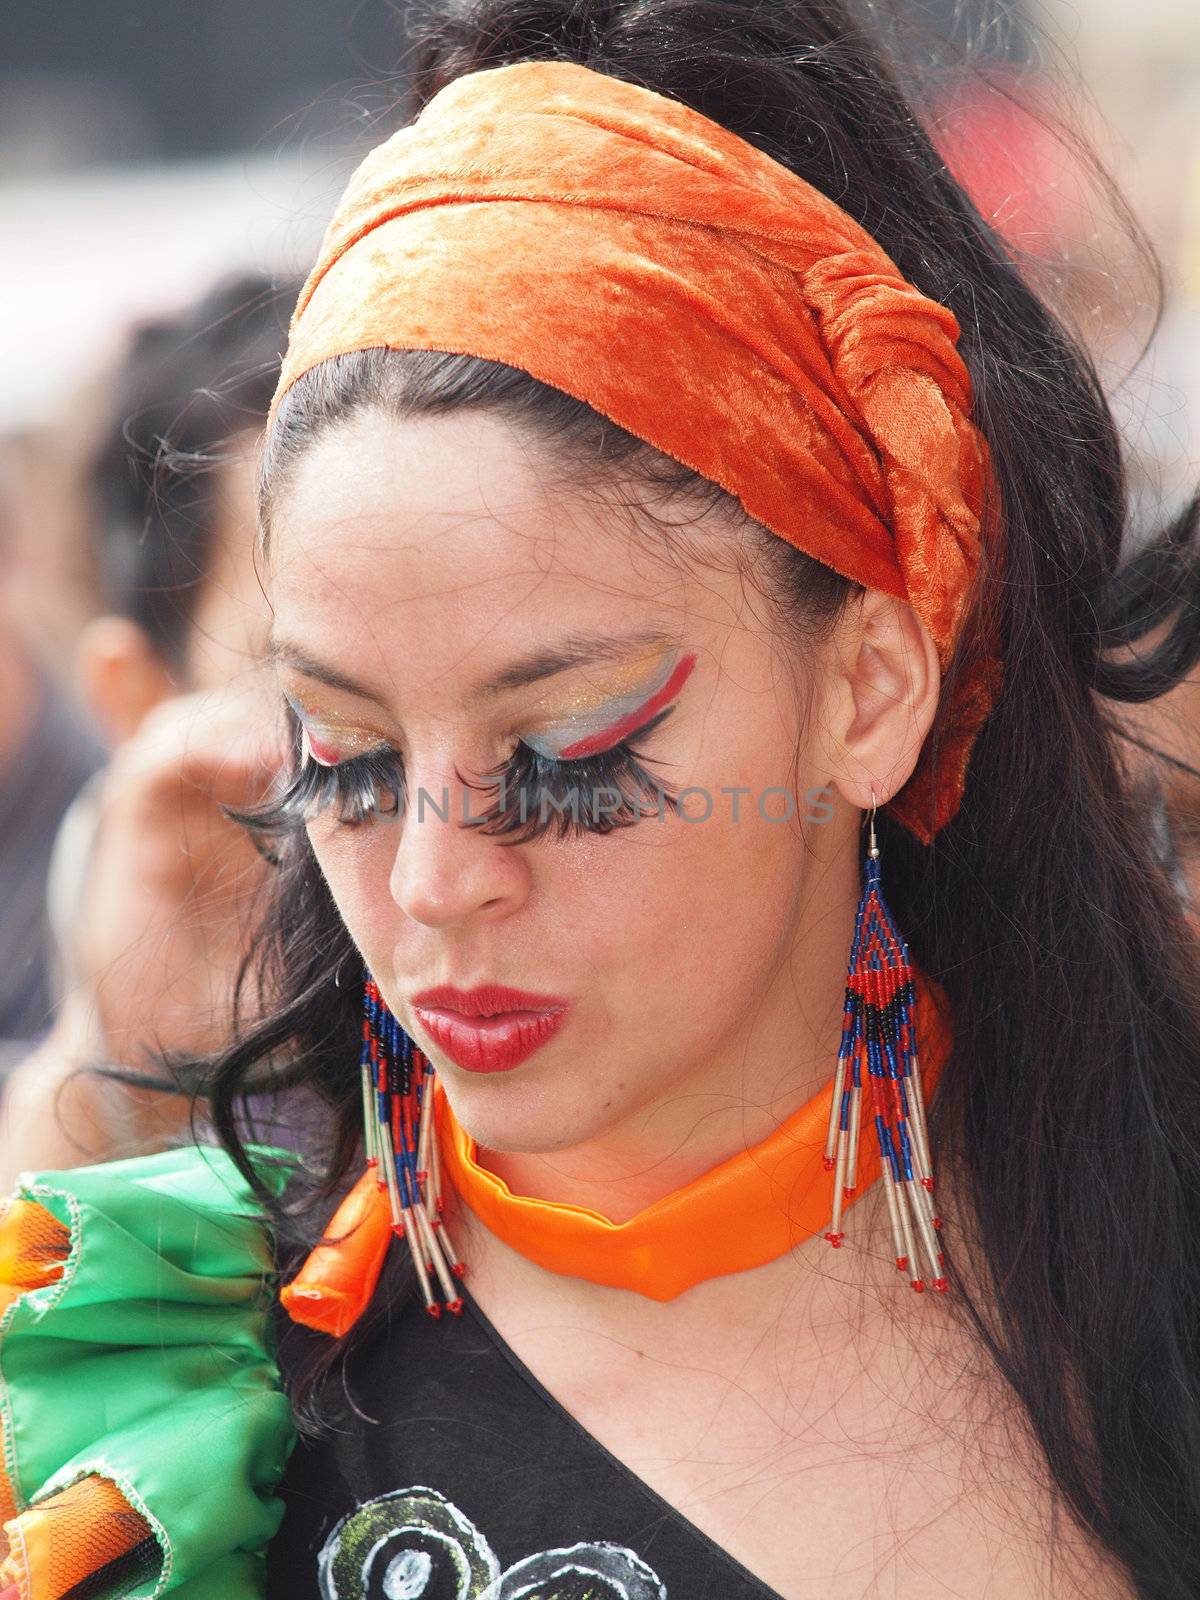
<point>280,653</point>
<point>573,650</point>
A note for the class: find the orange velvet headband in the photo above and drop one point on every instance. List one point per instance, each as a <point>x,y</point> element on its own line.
<point>707,300</point>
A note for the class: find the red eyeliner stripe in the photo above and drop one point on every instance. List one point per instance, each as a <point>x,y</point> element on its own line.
<point>324,753</point>
<point>595,742</point>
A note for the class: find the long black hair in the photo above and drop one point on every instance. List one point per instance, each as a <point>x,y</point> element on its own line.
<point>1069,1110</point>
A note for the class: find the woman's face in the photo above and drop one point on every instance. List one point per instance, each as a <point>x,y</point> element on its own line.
<point>441,608</point>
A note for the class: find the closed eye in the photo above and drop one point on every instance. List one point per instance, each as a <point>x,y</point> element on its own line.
<point>539,794</point>
<point>535,794</point>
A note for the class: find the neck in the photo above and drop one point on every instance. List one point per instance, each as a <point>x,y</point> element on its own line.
<point>779,1053</point>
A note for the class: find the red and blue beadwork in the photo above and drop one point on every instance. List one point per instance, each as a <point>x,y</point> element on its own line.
<point>400,1143</point>
<point>879,1031</point>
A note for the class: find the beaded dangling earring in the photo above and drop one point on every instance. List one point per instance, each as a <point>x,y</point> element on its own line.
<point>879,1027</point>
<point>399,1194</point>
<point>402,1149</point>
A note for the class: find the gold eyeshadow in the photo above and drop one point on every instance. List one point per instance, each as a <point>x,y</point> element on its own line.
<point>564,714</point>
<point>573,716</point>
<point>627,677</point>
<point>591,719</point>
<point>328,737</point>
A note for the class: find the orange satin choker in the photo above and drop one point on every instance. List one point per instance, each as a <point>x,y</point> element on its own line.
<point>747,1211</point>
<point>623,248</point>
<point>743,1213</point>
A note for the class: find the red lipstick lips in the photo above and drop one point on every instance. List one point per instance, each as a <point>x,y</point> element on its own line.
<point>490,1028</point>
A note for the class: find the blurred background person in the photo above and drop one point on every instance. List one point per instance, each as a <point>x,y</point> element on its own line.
<point>48,750</point>
<point>170,494</point>
<point>151,885</point>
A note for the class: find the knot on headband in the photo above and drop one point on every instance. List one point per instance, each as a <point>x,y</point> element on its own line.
<point>628,250</point>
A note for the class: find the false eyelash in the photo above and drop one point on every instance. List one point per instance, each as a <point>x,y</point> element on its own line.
<point>617,769</point>
<point>356,786</point>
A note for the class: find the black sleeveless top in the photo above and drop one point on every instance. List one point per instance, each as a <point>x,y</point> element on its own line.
<point>461,1478</point>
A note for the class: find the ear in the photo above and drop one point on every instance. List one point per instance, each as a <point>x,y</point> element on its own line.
<point>121,675</point>
<point>882,690</point>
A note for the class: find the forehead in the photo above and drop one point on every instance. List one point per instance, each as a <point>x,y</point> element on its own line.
<point>458,536</point>
<point>428,491</point>
<point>460,466</point>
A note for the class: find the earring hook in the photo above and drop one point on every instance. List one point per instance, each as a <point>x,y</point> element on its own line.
<point>872,846</point>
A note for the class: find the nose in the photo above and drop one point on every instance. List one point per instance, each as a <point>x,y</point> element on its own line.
<point>446,872</point>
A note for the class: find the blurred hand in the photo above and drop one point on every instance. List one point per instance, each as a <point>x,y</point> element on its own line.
<point>173,884</point>
<point>170,898</point>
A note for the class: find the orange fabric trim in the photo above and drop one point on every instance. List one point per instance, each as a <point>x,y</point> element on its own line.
<point>34,1244</point>
<point>629,251</point>
<point>67,1539</point>
<point>749,1210</point>
<point>334,1286</point>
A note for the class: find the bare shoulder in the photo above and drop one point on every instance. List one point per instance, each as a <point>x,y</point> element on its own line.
<point>994,1526</point>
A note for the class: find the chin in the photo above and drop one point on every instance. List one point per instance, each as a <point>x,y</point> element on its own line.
<point>502,1113</point>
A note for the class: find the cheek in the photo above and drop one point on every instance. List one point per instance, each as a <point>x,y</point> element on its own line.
<point>719,896</point>
<point>356,864</point>
<point>697,916</point>
<point>676,924</point>
<point>714,893</point>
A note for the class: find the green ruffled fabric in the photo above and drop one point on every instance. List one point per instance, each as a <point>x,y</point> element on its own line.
<point>150,1361</point>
